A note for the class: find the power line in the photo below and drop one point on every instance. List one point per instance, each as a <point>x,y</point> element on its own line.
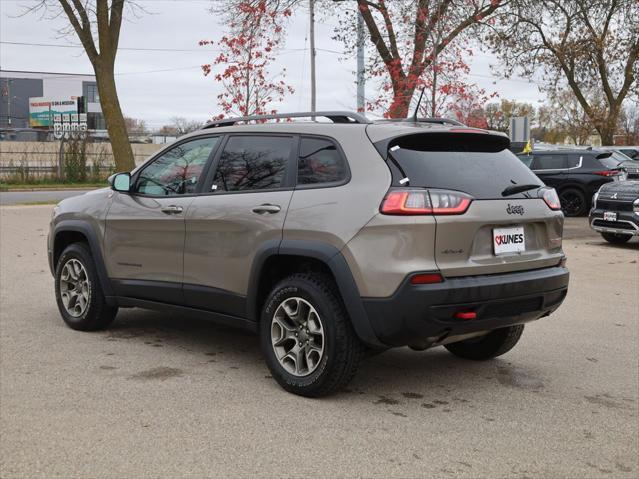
<point>55,45</point>
<point>159,71</point>
<point>146,49</point>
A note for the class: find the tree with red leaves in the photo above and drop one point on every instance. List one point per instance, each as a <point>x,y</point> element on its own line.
<point>410,37</point>
<point>447,93</point>
<point>469,104</point>
<point>242,67</point>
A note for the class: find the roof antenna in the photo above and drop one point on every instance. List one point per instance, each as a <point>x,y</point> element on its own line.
<point>419,102</point>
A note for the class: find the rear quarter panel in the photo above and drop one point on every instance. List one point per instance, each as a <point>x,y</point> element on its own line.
<point>334,215</point>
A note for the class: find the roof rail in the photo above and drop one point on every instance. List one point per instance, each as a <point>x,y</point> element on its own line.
<point>334,116</point>
<point>437,120</point>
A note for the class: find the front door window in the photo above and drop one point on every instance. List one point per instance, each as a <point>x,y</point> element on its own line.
<point>177,171</point>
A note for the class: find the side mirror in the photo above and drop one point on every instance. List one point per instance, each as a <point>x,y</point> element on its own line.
<point>120,182</point>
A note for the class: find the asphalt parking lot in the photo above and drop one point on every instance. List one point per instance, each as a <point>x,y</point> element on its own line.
<point>170,397</point>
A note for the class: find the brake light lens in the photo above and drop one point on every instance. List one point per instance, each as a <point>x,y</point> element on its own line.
<point>608,173</point>
<point>416,201</point>
<point>551,198</point>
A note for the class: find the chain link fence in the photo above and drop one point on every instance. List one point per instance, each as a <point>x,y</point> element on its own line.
<point>73,161</point>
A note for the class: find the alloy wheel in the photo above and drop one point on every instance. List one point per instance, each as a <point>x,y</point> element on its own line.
<point>74,288</point>
<point>571,203</point>
<point>297,336</point>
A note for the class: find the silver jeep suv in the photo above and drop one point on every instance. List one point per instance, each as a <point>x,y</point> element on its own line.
<point>329,239</point>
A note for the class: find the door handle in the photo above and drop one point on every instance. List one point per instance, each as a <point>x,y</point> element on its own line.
<point>266,208</point>
<point>172,210</point>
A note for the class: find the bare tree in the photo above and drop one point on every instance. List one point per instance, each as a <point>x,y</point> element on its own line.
<point>182,126</point>
<point>498,115</point>
<point>629,122</point>
<point>588,46</point>
<point>568,116</point>
<point>97,25</point>
<point>135,126</point>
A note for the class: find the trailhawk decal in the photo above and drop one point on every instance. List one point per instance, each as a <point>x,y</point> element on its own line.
<point>509,240</point>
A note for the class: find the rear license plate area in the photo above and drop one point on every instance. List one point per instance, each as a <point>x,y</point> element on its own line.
<point>509,240</point>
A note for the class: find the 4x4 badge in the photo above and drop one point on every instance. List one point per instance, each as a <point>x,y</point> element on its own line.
<point>515,209</point>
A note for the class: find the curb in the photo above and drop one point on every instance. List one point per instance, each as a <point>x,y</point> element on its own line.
<point>78,188</point>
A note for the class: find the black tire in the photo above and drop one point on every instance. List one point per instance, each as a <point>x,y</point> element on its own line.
<point>494,344</point>
<point>573,202</point>
<point>615,238</point>
<point>98,314</point>
<point>343,351</point>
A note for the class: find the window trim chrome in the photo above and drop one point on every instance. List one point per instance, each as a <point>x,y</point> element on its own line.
<point>552,170</point>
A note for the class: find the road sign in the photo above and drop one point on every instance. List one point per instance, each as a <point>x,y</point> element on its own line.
<point>519,129</point>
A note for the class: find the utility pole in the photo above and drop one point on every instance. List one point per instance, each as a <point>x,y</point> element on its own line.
<point>9,101</point>
<point>311,4</point>
<point>361,80</point>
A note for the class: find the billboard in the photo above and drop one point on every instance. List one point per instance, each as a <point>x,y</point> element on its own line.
<point>42,110</point>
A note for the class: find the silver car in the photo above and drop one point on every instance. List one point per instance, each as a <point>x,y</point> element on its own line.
<point>328,239</point>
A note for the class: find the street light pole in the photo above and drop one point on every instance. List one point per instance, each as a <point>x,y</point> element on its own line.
<point>311,4</point>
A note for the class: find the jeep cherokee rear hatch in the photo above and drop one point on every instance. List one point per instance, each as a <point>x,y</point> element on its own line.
<point>492,214</point>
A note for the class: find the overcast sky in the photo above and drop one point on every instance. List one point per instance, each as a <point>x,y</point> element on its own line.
<point>156,85</point>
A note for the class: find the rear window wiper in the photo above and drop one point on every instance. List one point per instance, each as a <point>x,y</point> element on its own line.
<point>512,189</point>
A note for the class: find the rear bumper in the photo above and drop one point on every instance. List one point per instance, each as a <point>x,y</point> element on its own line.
<point>424,314</point>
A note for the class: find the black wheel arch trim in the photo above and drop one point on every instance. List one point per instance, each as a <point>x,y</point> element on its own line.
<point>335,261</point>
<point>83,227</point>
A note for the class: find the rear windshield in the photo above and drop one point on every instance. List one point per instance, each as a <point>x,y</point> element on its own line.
<point>611,161</point>
<point>482,174</point>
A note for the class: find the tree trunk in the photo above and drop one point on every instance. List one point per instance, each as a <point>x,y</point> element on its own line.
<point>607,128</point>
<point>402,96</point>
<point>118,135</point>
<point>607,135</point>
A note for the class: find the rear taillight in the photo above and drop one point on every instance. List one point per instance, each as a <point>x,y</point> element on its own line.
<point>414,201</point>
<point>552,200</point>
<point>608,173</point>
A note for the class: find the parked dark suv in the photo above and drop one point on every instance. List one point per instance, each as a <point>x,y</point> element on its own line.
<point>576,174</point>
<point>615,211</point>
<point>327,239</point>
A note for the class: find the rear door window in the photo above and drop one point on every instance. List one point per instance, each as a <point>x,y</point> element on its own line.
<point>480,168</point>
<point>253,163</point>
<point>320,162</point>
<point>549,162</point>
